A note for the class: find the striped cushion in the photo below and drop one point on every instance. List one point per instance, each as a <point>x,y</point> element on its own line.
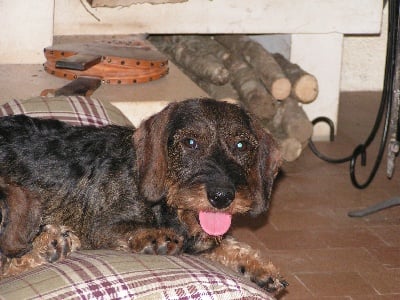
<point>106,274</point>
<point>75,110</point>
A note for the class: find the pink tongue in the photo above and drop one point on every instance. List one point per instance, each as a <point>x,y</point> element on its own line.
<point>215,223</point>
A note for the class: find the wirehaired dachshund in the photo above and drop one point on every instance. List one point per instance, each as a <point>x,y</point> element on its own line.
<point>170,186</point>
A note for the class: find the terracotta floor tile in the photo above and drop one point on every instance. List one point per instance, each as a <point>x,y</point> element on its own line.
<point>349,237</point>
<point>293,239</point>
<point>297,290</point>
<point>389,257</point>
<point>336,284</point>
<point>319,298</point>
<point>341,219</point>
<point>389,233</point>
<point>289,262</point>
<point>301,219</point>
<point>388,217</point>
<point>342,260</point>
<point>387,282</point>
<point>243,234</point>
<point>377,297</point>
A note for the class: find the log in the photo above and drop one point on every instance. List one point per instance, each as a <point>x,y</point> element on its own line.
<point>200,55</point>
<point>293,121</point>
<point>262,61</point>
<point>217,91</point>
<point>304,85</point>
<point>291,128</point>
<point>250,89</point>
<point>289,147</point>
<point>168,44</point>
<point>235,43</point>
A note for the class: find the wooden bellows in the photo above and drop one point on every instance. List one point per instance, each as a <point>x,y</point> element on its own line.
<point>112,63</point>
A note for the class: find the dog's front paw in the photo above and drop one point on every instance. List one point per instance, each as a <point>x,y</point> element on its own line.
<point>52,244</point>
<point>4,265</point>
<point>265,276</point>
<point>162,241</point>
<point>55,243</point>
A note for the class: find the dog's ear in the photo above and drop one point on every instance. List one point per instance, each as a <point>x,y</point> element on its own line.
<point>265,169</point>
<point>150,142</point>
<point>20,217</point>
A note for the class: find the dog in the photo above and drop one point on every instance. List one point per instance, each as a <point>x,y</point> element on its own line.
<point>170,186</point>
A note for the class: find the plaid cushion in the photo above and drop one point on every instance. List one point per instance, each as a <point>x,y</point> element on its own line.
<point>75,110</point>
<point>106,274</point>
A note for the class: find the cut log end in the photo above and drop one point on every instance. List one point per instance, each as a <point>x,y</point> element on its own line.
<point>290,149</point>
<point>300,129</point>
<point>281,88</point>
<point>306,89</point>
<point>262,106</point>
<point>231,101</point>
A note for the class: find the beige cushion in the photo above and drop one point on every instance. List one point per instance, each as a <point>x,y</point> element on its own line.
<point>76,110</point>
<point>106,274</point>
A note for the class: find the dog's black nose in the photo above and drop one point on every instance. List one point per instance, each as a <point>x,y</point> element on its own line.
<point>221,197</point>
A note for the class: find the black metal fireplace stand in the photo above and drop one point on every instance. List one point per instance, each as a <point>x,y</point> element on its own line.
<point>388,115</point>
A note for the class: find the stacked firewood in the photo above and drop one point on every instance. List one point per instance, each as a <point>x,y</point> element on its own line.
<point>237,67</point>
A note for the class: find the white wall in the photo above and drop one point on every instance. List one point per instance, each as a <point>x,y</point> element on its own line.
<point>26,28</point>
<point>363,61</point>
<point>221,16</point>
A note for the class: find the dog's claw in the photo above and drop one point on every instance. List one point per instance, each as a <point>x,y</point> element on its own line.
<point>274,286</point>
<point>55,243</point>
<point>284,283</point>
<point>156,241</point>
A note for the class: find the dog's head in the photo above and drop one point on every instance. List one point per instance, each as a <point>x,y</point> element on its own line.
<point>210,159</point>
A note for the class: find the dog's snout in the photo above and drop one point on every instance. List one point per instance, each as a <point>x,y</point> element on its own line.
<point>221,197</point>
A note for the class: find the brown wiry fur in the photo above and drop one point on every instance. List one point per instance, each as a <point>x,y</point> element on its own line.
<point>23,206</point>
<point>139,190</point>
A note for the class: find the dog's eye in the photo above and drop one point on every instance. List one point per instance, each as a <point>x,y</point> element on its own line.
<point>241,146</point>
<point>190,143</point>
